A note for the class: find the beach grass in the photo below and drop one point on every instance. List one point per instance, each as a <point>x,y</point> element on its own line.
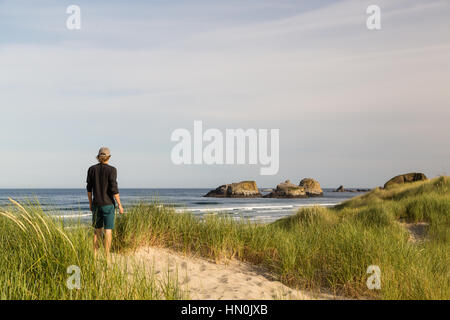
<point>322,248</point>
<point>319,249</point>
<point>39,258</point>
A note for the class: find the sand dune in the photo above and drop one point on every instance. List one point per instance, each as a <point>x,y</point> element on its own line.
<point>206,280</point>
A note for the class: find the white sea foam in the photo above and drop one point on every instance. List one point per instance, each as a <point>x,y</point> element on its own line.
<point>78,215</point>
<point>274,208</point>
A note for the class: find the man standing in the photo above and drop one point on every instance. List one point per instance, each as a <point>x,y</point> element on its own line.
<point>103,194</point>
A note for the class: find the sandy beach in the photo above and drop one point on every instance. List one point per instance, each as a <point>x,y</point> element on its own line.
<point>207,280</point>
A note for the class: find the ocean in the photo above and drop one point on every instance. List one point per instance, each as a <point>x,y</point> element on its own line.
<point>73,203</point>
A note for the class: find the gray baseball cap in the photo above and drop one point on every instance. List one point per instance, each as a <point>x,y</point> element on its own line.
<point>104,152</point>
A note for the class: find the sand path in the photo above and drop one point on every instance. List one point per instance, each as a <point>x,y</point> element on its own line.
<point>206,280</point>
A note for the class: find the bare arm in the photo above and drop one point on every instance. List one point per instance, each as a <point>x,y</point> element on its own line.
<point>115,190</point>
<point>117,198</point>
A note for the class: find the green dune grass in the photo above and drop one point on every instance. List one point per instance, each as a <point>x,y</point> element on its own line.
<point>322,248</point>
<point>316,249</point>
<point>36,251</point>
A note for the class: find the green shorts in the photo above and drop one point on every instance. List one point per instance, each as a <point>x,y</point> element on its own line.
<point>103,217</point>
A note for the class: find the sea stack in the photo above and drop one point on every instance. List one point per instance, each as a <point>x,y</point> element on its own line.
<point>243,189</point>
<point>287,190</point>
<point>312,187</point>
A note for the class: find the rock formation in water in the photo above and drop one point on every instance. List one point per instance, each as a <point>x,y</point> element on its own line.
<point>312,187</point>
<point>243,189</point>
<point>287,190</point>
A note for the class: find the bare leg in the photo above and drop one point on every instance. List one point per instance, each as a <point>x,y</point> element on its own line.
<point>108,240</point>
<point>97,236</point>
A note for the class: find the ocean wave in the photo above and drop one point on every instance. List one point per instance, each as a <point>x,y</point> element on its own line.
<point>71,216</point>
<point>273,208</point>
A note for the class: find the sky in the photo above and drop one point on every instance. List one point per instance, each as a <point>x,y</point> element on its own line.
<point>354,106</point>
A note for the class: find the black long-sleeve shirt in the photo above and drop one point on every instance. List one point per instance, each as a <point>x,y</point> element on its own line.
<point>102,182</point>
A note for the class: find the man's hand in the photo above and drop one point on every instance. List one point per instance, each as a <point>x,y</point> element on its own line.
<point>117,198</point>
